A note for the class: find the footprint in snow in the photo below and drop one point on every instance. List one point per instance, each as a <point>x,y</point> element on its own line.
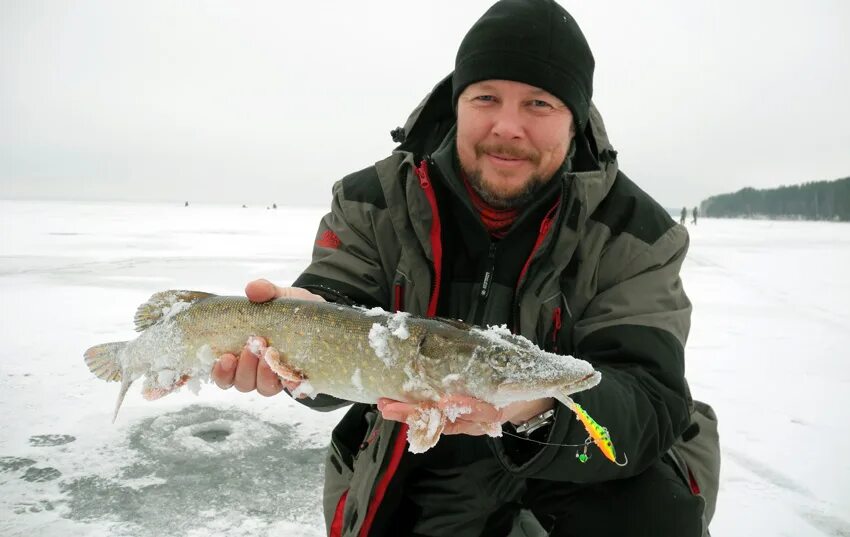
<point>39,475</point>
<point>12,464</point>
<point>47,440</point>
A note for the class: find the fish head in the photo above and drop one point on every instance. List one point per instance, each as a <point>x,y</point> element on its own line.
<point>533,373</point>
<point>585,383</point>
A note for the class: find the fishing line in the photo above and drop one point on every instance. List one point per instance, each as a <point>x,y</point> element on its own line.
<point>582,456</point>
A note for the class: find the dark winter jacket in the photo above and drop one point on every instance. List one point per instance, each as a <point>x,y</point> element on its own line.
<point>601,282</point>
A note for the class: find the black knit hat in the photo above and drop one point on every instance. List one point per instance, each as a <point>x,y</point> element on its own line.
<point>532,41</point>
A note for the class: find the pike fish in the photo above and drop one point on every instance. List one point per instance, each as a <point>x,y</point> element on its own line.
<point>351,353</point>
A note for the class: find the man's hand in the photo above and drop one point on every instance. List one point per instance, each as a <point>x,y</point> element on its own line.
<point>250,371</point>
<point>472,416</point>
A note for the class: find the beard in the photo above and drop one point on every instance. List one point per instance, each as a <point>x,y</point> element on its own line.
<point>499,200</point>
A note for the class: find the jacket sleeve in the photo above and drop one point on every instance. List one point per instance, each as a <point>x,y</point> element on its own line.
<point>633,331</point>
<point>346,266</point>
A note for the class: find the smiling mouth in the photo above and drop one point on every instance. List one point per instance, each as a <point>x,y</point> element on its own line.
<point>505,157</point>
<point>506,161</point>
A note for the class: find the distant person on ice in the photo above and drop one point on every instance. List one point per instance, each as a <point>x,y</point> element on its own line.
<point>504,204</point>
<point>695,213</point>
<point>683,216</point>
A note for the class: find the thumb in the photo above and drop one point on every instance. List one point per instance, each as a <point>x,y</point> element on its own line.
<point>263,290</point>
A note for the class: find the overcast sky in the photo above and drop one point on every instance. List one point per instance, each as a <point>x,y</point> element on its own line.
<point>261,102</point>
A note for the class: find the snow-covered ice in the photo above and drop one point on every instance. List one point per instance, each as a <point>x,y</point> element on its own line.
<point>768,349</point>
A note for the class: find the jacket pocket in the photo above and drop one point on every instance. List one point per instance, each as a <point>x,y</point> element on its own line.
<point>696,456</point>
<point>352,434</point>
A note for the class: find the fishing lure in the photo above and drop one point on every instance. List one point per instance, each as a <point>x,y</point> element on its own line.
<point>598,435</point>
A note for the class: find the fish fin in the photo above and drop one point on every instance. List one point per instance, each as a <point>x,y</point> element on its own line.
<point>103,360</point>
<point>425,425</point>
<point>160,303</point>
<point>567,401</point>
<point>125,385</point>
<point>453,322</point>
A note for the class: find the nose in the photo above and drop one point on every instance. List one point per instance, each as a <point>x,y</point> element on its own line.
<point>507,124</point>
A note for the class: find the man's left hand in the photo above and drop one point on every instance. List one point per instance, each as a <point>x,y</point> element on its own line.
<point>480,416</point>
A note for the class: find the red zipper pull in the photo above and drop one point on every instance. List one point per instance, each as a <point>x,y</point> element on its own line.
<point>422,174</point>
<point>556,319</point>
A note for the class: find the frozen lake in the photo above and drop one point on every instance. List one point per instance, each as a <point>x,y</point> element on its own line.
<point>769,349</point>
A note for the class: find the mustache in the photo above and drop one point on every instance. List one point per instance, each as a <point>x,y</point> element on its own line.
<point>506,150</point>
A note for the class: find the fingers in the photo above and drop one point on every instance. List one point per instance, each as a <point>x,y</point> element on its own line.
<point>268,383</point>
<point>258,367</point>
<point>469,409</point>
<point>471,428</point>
<point>395,410</point>
<point>223,371</point>
<point>263,290</point>
<point>245,379</point>
<point>466,415</point>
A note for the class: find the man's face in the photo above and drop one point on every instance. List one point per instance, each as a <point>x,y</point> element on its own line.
<point>511,139</point>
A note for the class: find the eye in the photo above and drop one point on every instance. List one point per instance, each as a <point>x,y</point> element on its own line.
<point>538,103</point>
<point>484,98</point>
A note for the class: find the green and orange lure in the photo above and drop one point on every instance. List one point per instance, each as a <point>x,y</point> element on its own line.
<point>598,435</point>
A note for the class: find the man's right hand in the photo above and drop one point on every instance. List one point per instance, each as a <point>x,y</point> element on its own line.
<point>249,371</point>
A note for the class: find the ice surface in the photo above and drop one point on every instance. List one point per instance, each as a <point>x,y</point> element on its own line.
<point>768,349</point>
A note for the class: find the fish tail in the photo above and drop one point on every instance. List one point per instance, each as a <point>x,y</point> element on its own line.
<point>103,360</point>
<point>125,385</point>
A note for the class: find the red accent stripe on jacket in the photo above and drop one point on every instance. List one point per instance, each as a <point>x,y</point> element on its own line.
<point>336,526</point>
<point>381,489</point>
<point>436,244</point>
<point>693,483</point>
<point>544,229</point>
<point>399,297</point>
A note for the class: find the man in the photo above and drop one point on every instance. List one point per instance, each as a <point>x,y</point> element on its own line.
<point>504,204</point>
<point>683,215</point>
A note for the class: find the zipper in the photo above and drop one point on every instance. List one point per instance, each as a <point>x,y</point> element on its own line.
<point>488,273</point>
<point>545,225</point>
<point>486,284</point>
<point>436,245</point>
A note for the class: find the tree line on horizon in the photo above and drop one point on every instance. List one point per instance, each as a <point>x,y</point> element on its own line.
<point>819,200</point>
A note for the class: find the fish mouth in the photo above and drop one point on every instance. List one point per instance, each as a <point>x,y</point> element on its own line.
<point>586,382</point>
